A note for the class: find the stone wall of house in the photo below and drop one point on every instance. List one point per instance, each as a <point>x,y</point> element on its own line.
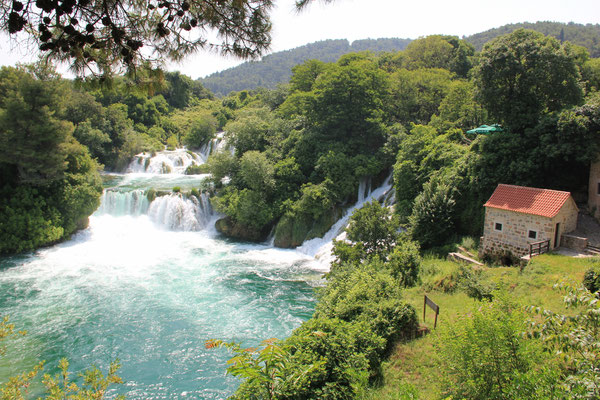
<point>567,217</point>
<point>514,236</point>
<point>515,229</point>
<point>593,186</point>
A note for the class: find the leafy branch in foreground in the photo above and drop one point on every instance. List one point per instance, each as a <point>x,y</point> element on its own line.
<point>269,371</point>
<point>98,35</point>
<point>58,387</point>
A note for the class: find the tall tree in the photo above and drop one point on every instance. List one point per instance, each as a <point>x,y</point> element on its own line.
<point>522,74</point>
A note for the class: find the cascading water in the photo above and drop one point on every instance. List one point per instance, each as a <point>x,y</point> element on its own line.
<point>118,203</point>
<point>320,248</point>
<point>175,212</point>
<point>174,161</point>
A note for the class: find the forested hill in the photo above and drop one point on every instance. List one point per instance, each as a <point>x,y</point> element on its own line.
<point>277,67</point>
<point>583,35</point>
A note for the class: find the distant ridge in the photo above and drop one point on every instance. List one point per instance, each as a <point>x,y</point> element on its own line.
<point>277,67</point>
<point>583,35</point>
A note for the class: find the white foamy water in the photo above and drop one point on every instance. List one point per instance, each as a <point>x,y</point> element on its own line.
<point>174,161</point>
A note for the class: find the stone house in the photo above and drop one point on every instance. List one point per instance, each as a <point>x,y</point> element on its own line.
<point>516,216</point>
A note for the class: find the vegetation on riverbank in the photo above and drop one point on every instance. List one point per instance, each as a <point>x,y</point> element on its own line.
<point>417,368</point>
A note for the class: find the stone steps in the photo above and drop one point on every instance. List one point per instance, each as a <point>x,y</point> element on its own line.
<point>593,250</point>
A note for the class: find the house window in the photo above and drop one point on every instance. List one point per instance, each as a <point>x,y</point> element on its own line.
<point>498,226</point>
<point>532,234</point>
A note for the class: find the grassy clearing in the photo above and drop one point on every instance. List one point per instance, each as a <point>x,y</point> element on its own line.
<point>412,371</point>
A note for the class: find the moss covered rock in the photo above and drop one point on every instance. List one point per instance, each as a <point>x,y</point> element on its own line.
<point>230,228</point>
<point>292,230</point>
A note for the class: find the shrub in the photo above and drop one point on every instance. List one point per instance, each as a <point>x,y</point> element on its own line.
<point>370,294</point>
<point>347,351</point>
<point>431,221</point>
<point>405,262</point>
<point>196,169</point>
<point>591,279</point>
<point>468,243</point>
<point>176,189</point>
<point>485,356</point>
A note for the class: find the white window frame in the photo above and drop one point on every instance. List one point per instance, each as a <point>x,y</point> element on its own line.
<point>496,226</point>
<point>536,234</point>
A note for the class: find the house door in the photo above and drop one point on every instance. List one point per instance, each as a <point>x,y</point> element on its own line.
<point>557,235</point>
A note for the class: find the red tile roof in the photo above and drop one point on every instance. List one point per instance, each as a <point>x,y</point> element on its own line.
<point>544,202</point>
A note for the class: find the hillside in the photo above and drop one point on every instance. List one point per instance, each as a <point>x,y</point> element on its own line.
<point>277,67</point>
<point>583,35</point>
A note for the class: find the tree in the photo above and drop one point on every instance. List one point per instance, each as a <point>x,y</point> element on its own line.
<point>437,51</point>
<point>432,219</point>
<point>375,226</point>
<point>31,136</point>
<point>201,132</point>
<point>523,74</point>
<point>257,171</point>
<point>349,101</point>
<point>96,35</point>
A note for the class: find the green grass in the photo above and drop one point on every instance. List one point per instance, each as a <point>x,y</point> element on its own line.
<point>412,372</point>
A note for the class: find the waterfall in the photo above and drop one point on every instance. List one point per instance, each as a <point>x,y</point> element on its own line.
<point>176,212</point>
<point>216,144</point>
<point>174,161</point>
<point>173,211</point>
<point>164,162</point>
<point>321,248</point>
<point>119,203</point>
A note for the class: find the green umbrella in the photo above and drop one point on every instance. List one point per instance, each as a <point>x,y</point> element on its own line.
<point>486,129</point>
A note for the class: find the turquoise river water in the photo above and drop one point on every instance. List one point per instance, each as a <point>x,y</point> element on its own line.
<point>149,283</point>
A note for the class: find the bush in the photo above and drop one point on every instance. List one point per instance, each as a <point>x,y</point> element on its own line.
<point>196,169</point>
<point>347,351</point>
<point>591,279</point>
<point>370,294</point>
<point>431,221</point>
<point>176,189</point>
<point>485,356</point>
<point>405,262</point>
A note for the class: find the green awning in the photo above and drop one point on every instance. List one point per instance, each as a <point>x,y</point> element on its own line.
<point>486,129</point>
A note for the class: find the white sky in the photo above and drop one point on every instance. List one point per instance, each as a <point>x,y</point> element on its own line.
<point>362,19</point>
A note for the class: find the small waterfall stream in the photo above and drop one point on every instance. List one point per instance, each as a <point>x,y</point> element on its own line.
<point>320,248</point>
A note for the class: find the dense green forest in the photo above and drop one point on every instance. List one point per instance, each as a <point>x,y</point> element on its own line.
<point>300,152</point>
<point>276,68</point>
